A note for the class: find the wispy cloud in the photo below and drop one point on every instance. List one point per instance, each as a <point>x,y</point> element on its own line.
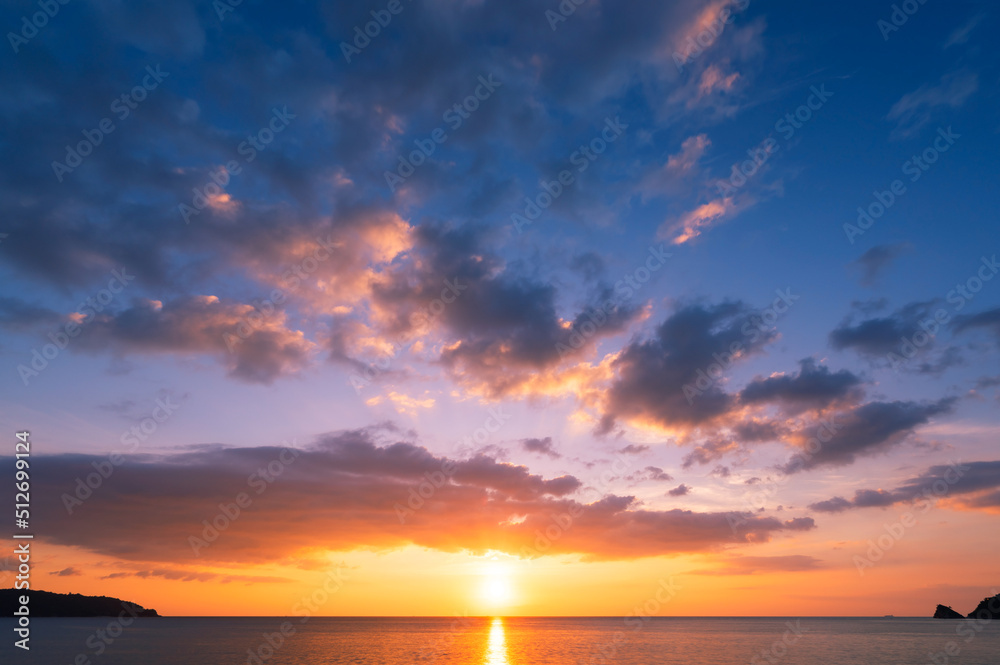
<point>962,33</point>
<point>915,109</point>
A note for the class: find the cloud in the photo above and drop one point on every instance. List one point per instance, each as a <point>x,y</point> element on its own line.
<point>692,150</point>
<point>879,336</point>
<point>751,430</point>
<point>589,264</point>
<point>634,449</point>
<point>18,315</point>
<point>402,402</point>
<point>962,33</point>
<point>351,492</point>
<point>867,430</point>
<point>990,319</point>
<point>762,565</point>
<point>321,183</point>
<point>651,374</point>
<point>680,166</point>
<point>67,572</point>
<point>714,80</point>
<point>949,357</point>
<point>650,473</point>
<point>691,224</point>
<point>835,505</point>
<point>173,30</point>
<point>915,109</point>
<point>721,472</point>
<point>328,267</point>
<point>499,328</point>
<point>120,207</point>
<point>180,574</point>
<point>975,485</point>
<point>540,446</point>
<point>266,351</point>
<point>987,382</point>
<point>814,387</point>
<point>710,450</point>
<point>873,262</point>
<point>680,490</point>
<point>708,23</point>
<point>656,473</point>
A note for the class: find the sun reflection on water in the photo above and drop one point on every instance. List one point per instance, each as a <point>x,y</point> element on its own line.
<point>496,651</point>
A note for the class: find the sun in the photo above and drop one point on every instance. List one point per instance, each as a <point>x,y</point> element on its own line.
<point>496,589</point>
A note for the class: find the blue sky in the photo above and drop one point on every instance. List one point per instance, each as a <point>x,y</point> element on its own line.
<point>204,262</point>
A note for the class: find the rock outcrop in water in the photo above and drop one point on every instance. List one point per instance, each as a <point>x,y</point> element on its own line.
<point>988,609</point>
<point>945,612</point>
<point>47,604</point>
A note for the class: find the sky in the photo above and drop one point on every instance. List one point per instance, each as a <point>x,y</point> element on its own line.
<point>458,307</point>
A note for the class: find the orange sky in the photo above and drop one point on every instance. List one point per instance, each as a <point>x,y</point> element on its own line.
<point>414,581</point>
<point>625,334</point>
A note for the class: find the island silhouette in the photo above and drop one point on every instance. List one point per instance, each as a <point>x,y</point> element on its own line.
<point>48,604</point>
<point>988,608</point>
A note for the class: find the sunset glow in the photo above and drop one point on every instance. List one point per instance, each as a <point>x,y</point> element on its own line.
<point>493,310</point>
<point>497,589</point>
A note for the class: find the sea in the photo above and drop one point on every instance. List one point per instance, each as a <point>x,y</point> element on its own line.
<point>505,641</point>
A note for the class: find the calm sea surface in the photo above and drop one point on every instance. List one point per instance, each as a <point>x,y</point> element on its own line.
<point>691,641</point>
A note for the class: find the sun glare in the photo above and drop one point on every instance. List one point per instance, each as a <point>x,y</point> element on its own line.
<point>496,653</point>
<point>496,589</point>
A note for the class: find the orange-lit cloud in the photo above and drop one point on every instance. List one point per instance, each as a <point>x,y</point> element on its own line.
<point>347,493</point>
<point>253,347</point>
<point>330,266</point>
<point>693,223</point>
<point>714,80</point>
<point>755,565</point>
<point>973,486</point>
